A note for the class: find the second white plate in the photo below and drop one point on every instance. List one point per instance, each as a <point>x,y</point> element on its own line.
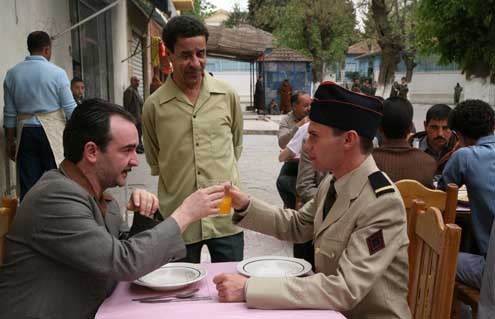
<point>273,266</point>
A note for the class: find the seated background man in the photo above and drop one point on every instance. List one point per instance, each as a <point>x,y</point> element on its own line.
<point>357,221</point>
<point>289,125</point>
<point>437,139</point>
<point>396,156</point>
<point>472,165</point>
<point>63,257</point>
<point>294,147</point>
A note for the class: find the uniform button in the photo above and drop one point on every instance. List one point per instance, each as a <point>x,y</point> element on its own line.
<point>199,173</point>
<point>197,144</point>
<point>317,250</point>
<point>332,254</point>
<point>194,116</point>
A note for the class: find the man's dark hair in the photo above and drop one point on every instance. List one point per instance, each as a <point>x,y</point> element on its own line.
<point>397,117</point>
<point>182,27</point>
<point>37,41</point>
<point>75,80</point>
<point>294,98</point>
<point>90,122</point>
<point>472,119</point>
<point>438,112</point>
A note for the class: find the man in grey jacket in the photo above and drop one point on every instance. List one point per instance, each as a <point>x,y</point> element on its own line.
<point>63,256</point>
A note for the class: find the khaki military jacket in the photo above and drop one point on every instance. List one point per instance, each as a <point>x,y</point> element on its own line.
<point>360,249</point>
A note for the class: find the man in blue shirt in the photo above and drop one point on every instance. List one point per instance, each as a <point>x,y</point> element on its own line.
<point>35,93</point>
<point>474,166</point>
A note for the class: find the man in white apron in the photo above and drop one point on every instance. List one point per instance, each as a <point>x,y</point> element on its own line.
<point>38,101</point>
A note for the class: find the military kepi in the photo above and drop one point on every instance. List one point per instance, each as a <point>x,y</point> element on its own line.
<point>338,107</point>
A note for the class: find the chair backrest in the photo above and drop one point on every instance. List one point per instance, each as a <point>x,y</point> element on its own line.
<point>433,263</point>
<point>446,201</point>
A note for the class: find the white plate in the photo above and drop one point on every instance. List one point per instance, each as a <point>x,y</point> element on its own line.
<point>173,276</point>
<point>273,266</point>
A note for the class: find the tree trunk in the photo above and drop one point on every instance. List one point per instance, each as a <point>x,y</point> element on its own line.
<point>318,66</point>
<point>390,44</point>
<point>408,59</point>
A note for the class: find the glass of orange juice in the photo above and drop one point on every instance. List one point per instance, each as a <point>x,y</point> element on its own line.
<point>225,206</point>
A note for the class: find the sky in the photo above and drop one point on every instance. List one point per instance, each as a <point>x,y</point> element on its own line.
<point>228,4</point>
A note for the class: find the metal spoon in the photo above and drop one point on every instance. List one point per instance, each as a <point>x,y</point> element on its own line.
<point>180,295</point>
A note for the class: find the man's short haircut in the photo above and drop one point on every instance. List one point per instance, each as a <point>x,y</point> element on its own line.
<point>37,41</point>
<point>182,27</point>
<point>472,119</point>
<point>294,98</point>
<point>90,122</point>
<point>397,117</point>
<point>75,80</point>
<point>438,112</point>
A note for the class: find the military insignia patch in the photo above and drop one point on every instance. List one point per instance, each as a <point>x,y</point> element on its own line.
<point>375,242</point>
<point>380,184</point>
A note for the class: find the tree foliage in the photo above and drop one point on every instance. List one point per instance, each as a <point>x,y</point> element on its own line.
<point>236,17</point>
<point>461,32</point>
<point>322,29</point>
<point>202,9</point>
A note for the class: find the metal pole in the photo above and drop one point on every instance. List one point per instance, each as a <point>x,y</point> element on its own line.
<point>86,19</point>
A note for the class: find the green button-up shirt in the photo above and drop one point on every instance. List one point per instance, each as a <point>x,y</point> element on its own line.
<point>187,144</point>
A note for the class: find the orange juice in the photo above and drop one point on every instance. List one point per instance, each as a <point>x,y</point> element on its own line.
<point>226,205</point>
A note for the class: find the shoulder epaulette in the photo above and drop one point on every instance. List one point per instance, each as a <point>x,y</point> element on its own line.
<point>380,184</point>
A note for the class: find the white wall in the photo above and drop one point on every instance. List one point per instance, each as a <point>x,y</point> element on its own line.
<point>434,87</point>
<point>240,81</point>
<point>51,16</point>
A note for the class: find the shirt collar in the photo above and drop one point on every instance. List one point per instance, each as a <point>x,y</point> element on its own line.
<point>36,58</point>
<point>73,172</point>
<point>486,140</point>
<point>169,90</point>
<point>395,143</point>
<point>353,182</point>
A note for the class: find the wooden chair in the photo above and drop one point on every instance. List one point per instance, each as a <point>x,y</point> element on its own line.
<point>5,221</point>
<point>446,201</point>
<point>433,263</point>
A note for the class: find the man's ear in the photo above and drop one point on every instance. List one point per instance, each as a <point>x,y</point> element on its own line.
<point>351,138</point>
<point>90,152</point>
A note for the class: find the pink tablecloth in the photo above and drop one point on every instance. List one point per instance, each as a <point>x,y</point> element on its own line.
<point>120,306</point>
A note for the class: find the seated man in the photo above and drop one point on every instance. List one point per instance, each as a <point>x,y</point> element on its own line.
<point>294,147</point>
<point>396,156</point>
<point>357,221</point>
<point>289,125</point>
<point>472,165</point>
<point>63,257</point>
<point>437,139</point>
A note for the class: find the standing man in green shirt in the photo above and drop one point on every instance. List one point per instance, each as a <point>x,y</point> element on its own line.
<point>192,129</point>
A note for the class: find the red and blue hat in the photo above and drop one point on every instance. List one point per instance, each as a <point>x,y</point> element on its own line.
<point>338,107</point>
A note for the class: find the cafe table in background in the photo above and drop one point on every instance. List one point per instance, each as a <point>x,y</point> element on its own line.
<point>120,305</point>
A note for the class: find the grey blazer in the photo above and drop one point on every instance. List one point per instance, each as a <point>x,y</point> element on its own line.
<point>63,258</point>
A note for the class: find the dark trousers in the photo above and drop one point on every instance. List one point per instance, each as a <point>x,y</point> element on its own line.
<point>224,249</point>
<point>34,157</point>
<point>305,251</point>
<point>139,128</point>
<point>286,183</point>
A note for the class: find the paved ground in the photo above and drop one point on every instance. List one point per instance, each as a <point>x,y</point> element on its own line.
<point>259,169</point>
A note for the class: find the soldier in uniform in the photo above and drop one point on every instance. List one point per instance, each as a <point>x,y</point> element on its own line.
<point>357,221</point>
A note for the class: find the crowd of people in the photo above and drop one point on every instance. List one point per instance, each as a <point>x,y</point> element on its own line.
<point>342,152</point>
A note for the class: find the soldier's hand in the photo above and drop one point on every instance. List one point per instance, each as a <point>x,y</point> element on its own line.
<point>240,200</point>
<point>230,287</point>
<point>143,202</point>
